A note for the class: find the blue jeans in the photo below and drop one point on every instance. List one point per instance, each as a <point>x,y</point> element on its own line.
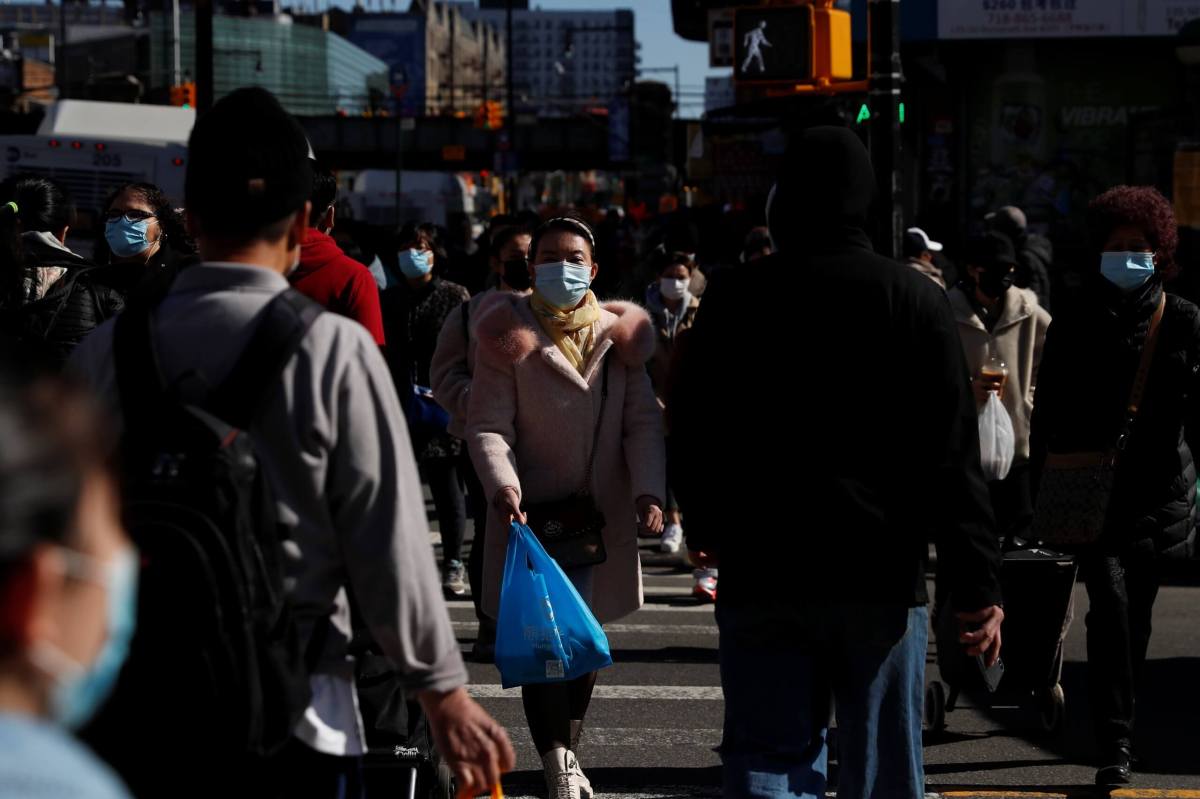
<point>780,668</point>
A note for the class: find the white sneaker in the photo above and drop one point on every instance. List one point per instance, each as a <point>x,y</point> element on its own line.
<point>585,785</point>
<point>672,538</point>
<point>561,779</point>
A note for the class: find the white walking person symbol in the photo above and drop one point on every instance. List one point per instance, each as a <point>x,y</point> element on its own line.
<point>754,41</point>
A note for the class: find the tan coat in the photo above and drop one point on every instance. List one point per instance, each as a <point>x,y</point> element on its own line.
<point>454,362</point>
<point>930,271</point>
<point>530,427</point>
<point>1019,335</point>
<point>660,364</point>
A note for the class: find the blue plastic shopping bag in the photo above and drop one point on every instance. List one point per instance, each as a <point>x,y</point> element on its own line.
<point>545,632</point>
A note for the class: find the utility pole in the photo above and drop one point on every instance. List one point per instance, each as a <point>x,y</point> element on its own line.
<point>453,31</point>
<point>176,66</point>
<point>510,117</point>
<point>60,69</point>
<point>884,95</point>
<point>205,91</point>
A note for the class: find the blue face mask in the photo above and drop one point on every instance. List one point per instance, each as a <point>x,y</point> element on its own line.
<point>127,239</point>
<point>79,690</point>
<point>563,284</point>
<point>415,263</point>
<point>1128,271</point>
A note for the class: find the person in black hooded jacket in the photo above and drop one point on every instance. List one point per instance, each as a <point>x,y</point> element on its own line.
<point>49,300</point>
<point>1091,355</point>
<point>856,405</point>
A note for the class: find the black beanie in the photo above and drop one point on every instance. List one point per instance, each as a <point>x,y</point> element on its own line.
<point>248,165</point>
<point>991,250</point>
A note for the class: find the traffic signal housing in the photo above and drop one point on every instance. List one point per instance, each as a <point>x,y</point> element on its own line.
<point>184,95</point>
<point>489,116</point>
<point>795,44</point>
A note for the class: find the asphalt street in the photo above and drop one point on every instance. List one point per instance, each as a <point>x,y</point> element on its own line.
<point>656,717</point>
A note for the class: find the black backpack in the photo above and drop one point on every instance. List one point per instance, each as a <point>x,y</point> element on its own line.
<point>216,673</point>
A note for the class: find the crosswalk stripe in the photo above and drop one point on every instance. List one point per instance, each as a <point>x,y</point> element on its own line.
<point>649,607</point>
<point>704,738</point>
<point>705,630</point>
<point>691,693</point>
<point>1122,793</point>
<point>635,792</point>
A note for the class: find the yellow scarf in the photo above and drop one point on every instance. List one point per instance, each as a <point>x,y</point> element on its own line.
<point>572,331</point>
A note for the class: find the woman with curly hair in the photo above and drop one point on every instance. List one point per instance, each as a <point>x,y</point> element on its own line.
<point>1091,357</point>
<point>143,243</point>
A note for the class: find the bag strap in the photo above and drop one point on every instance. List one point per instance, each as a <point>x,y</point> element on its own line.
<point>1140,379</point>
<point>285,322</point>
<point>466,319</point>
<point>587,480</point>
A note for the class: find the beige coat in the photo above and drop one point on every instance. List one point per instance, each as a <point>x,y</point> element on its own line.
<point>530,427</point>
<point>1019,334</point>
<point>454,362</point>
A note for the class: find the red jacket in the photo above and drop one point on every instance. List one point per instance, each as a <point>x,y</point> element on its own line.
<point>338,282</point>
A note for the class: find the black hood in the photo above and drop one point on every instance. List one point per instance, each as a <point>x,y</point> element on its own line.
<point>824,191</point>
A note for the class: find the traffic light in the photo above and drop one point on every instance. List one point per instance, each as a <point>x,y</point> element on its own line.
<point>799,44</point>
<point>184,95</point>
<point>489,116</point>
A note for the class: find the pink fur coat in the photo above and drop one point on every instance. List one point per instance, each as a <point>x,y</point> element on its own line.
<point>530,425</point>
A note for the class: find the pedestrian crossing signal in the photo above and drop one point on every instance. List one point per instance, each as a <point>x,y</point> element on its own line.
<point>184,95</point>
<point>798,44</point>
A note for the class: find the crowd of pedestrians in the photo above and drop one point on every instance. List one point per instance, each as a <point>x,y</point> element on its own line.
<point>243,377</point>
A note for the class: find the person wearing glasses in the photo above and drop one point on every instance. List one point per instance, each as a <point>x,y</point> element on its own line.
<point>49,297</point>
<point>143,243</point>
<point>450,374</point>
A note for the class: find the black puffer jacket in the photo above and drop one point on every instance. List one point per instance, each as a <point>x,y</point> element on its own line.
<point>51,326</point>
<point>1091,356</point>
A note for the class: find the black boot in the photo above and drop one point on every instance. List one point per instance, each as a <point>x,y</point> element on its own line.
<point>1115,766</point>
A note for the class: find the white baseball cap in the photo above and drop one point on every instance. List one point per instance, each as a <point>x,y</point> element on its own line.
<point>926,242</point>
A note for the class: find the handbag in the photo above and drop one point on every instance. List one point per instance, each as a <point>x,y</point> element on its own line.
<point>572,529</point>
<point>1073,498</point>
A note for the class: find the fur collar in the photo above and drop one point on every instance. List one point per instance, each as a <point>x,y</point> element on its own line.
<point>507,330</point>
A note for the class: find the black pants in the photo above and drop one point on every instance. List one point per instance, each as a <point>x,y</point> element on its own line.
<point>301,771</point>
<point>478,505</point>
<point>445,483</point>
<point>1012,502</point>
<point>1122,589</point>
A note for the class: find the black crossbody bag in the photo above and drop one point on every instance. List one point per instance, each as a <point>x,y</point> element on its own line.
<point>572,529</point>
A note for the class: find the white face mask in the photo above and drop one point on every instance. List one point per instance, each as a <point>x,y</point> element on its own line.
<point>673,288</point>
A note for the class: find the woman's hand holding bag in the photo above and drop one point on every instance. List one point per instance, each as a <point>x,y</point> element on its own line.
<point>545,632</point>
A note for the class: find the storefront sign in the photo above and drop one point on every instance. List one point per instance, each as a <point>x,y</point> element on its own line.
<point>1005,19</point>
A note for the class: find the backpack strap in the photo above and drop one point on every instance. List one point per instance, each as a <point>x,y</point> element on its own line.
<point>140,383</point>
<point>285,322</point>
<point>466,320</point>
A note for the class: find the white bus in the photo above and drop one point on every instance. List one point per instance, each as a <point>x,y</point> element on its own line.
<point>90,148</point>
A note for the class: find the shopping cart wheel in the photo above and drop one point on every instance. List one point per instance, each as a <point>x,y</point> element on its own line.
<point>1052,710</point>
<point>935,707</point>
<point>445,788</point>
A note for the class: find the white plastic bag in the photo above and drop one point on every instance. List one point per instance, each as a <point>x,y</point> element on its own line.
<point>997,443</point>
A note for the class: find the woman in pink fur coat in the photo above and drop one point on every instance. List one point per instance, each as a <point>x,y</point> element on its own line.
<point>535,404</point>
